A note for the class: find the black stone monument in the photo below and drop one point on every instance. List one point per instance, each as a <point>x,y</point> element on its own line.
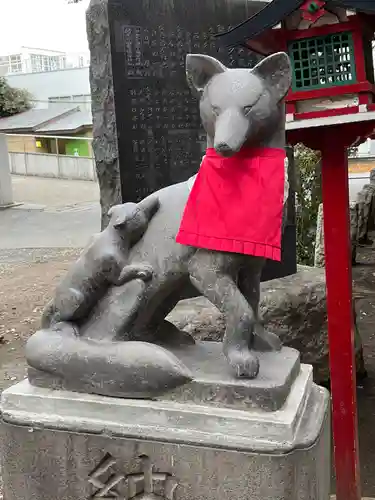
<point>147,131</point>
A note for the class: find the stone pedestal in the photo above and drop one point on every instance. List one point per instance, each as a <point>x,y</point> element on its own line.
<point>209,440</point>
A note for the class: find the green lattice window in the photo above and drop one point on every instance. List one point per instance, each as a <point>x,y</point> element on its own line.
<point>324,61</point>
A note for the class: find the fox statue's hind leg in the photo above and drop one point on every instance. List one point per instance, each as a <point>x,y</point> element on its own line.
<point>214,274</point>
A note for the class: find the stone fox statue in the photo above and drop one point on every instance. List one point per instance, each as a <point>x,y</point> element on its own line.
<point>240,108</point>
<point>102,264</point>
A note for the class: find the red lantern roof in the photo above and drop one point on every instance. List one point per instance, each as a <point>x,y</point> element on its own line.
<point>255,29</point>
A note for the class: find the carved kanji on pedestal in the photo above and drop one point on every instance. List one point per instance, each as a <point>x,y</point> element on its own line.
<point>139,486</point>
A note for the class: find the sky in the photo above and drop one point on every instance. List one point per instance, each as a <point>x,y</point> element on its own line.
<point>45,24</point>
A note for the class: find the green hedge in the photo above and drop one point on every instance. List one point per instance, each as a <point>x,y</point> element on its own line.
<point>308,198</point>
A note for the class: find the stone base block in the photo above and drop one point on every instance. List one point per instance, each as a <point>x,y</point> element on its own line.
<point>213,381</point>
<point>64,445</point>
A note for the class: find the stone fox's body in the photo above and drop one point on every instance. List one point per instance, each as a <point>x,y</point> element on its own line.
<point>238,107</point>
<point>103,263</point>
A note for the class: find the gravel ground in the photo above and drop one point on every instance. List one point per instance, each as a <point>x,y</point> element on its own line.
<point>25,287</point>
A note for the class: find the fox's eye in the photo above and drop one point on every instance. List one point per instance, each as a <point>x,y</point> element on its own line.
<point>215,110</point>
<point>247,110</point>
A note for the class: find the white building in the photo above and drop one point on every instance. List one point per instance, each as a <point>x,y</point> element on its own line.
<point>31,60</point>
<point>34,60</point>
<point>56,88</point>
<point>53,78</point>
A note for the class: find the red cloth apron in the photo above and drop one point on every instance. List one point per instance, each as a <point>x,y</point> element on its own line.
<point>236,204</point>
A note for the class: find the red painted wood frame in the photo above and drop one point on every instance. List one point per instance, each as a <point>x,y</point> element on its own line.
<point>354,23</point>
<point>277,39</point>
<point>352,110</point>
<point>365,92</point>
<point>355,88</point>
<point>358,25</point>
<point>335,186</point>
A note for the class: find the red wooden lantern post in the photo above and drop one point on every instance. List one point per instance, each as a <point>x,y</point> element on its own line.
<point>330,107</point>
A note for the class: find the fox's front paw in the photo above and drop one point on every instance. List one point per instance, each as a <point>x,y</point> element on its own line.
<point>244,363</point>
<point>145,273</point>
<point>133,272</point>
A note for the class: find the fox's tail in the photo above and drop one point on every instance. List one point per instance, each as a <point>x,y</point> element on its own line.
<point>57,357</point>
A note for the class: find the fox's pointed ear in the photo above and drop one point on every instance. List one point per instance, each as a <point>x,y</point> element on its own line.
<point>276,71</point>
<point>200,69</point>
<point>118,216</point>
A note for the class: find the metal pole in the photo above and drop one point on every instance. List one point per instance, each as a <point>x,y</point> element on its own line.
<point>57,157</point>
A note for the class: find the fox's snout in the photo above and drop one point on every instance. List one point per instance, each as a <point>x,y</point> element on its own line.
<point>231,132</point>
<point>224,149</point>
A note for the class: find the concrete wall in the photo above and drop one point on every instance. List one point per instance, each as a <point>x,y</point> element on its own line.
<point>72,167</point>
<point>49,165</point>
<point>6,194</point>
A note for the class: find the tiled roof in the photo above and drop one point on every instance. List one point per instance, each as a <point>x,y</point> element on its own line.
<point>30,120</point>
<point>272,13</point>
<point>68,123</point>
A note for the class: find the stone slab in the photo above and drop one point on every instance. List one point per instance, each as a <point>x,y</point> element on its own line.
<point>195,424</point>
<point>213,380</point>
<point>59,444</point>
<point>214,383</point>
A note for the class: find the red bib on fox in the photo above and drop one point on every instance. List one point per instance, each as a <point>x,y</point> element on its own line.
<point>236,203</point>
